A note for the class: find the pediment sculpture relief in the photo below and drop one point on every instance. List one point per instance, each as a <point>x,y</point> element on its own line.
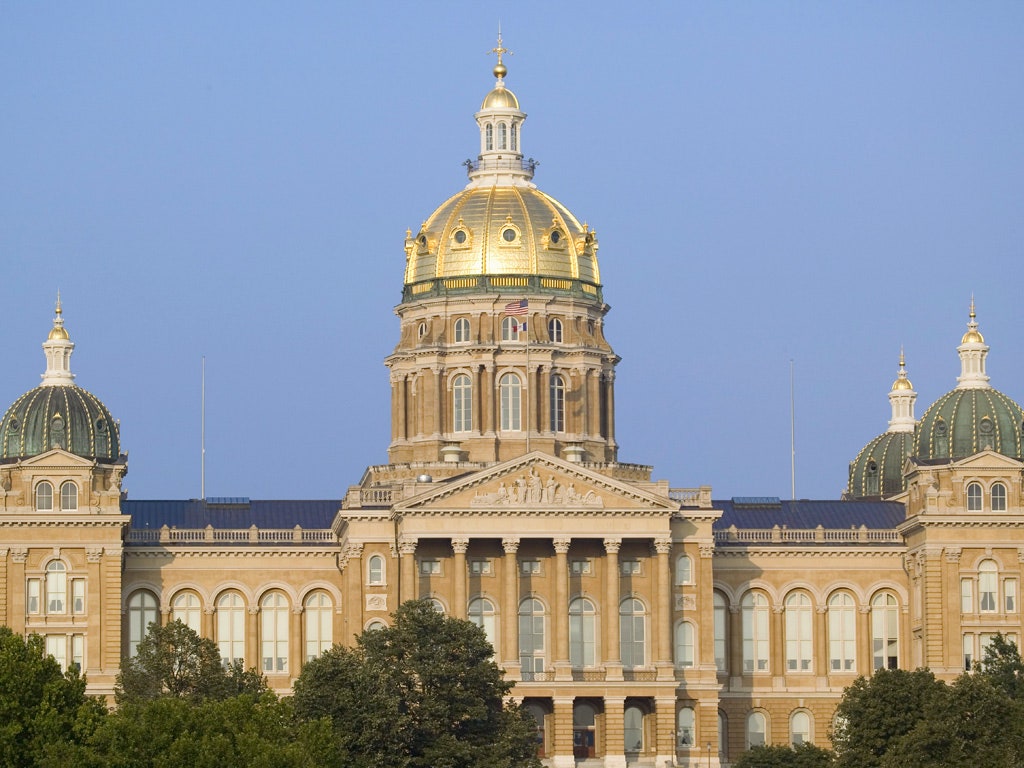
<point>530,490</point>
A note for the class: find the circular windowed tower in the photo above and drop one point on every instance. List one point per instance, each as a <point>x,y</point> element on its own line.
<point>502,347</point>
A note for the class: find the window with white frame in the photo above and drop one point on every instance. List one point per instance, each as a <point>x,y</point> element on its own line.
<point>632,632</point>
<point>967,595</point>
<point>56,587</point>
<point>502,136</point>
<point>582,633</point>
<point>142,611</point>
<point>685,735</point>
<point>799,728</point>
<point>33,596</point>
<point>885,638</point>
<point>529,567</point>
<point>684,570</point>
<point>756,729</point>
<point>231,628</point>
<point>555,330</point>
<point>481,567</point>
<point>78,596</point>
<point>482,613</point>
<point>842,633</point>
<point>755,620</point>
<point>684,645</point>
<point>375,570</point>
<point>556,391</point>
<point>185,607</point>
<point>974,497</point>
<point>1010,595</point>
<point>488,137</point>
<point>988,587</point>
<point>721,611</point>
<point>581,567</point>
<point>799,628</point>
<point>274,613</point>
<point>461,330</point>
<point>531,637</point>
<point>510,389</point>
<point>462,404</point>
<point>68,497</point>
<point>633,729</point>
<point>510,327</point>
<point>514,129</point>
<point>318,612</point>
<point>44,496</point>
<point>998,495</point>
<point>975,645</point>
<point>66,648</point>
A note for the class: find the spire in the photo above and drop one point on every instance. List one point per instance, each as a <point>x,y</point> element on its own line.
<point>902,397</point>
<point>58,348</point>
<point>500,162</point>
<point>972,351</point>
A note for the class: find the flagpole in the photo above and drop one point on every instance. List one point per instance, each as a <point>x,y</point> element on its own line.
<point>529,392</point>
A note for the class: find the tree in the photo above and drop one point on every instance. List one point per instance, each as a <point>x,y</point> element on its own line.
<point>1003,667</point>
<point>782,756</point>
<point>875,712</point>
<point>422,693</point>
<point>40,706</point>
<point>174,661</point>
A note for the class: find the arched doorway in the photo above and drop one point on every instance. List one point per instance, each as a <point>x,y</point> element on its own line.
<point>584,730</point>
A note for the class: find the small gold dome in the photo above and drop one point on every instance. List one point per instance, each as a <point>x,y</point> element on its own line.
<point>58,333</point>
<point>500,98</point>
<point>973,336</point>
<point>902,384</point>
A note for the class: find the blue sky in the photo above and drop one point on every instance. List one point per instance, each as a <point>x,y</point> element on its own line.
<point>816,182</point>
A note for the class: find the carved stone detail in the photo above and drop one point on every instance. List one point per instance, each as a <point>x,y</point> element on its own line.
<point>562,545</point>
<point>530,490</point>
<point>459,546</point>
<point>612,546</point>
<point>511,546</point>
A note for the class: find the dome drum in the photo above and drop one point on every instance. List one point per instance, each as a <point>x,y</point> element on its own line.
<point>530,285</point>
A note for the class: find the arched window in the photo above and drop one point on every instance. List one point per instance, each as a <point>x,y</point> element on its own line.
<point>555,330</point>
<point>185,608</point>
<point>502,136</point>
<point>461,330</point>
<point>885,639</point>
<point>481,612</point>
<point>684,570</point>
<point>515,137</point>
<point>376,626</point>
<point>142,611</point>
<point>721,623</point>
<point>318,612</point>
<point>44,496</point>
<point>684,728</point>
<point>988,586</point>
<point>684,644</point>
<point>231,628</point>
<point>584,726</point>
<point>842,633</point>
<point>632,637</point>
<point>754,612</point>
<point>799,728</point>
<point>437,606</point>
<point>998,497</point>
<point>511,402</point>
<point>799,643</point>
<point>633,729</point>
<point>557,390</point>
<point>510,327</point>
<point>974,497</point>
<point>462,403</point>
<point>539,714</point>
<point>531,637</point>
<point>375,570</point>
<point>274,633</point>
<point>756,729</point>
<point>56,587</point>
<point>68,497</point>
<point>583,633</point>
<point>488,137</point>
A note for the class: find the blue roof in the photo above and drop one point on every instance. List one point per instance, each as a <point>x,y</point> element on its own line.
<point>806,514</point>
<point>234,513</point>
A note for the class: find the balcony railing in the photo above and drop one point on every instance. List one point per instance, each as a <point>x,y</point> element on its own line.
<point>222,536</point>
<point>819,535</point>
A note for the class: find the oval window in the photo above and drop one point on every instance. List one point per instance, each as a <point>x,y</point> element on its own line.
<point>509,234</point>
<point>460,236</point>
<point>555,237</point>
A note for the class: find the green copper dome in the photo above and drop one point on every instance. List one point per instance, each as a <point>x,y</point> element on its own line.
<point>966,421</point>
<point>66,417</point>
<point>878,469</point>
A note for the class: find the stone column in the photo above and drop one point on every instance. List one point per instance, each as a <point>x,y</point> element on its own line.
<point>208,629</point>
<point>544,398</point>
<point>614,732</point>
<point>489,425</point>
<point>665,726</point>
<point>585,405</point>
<point>94,655</point>
<point>407,575</point>
<point>562,667</point>
<point>661,620</point>
<point>561,738</point>
<point>354,578</point>
<point>821,642</point>
<point>777,642</point>
<point>296,643</point>
<point>459,547</point>
<point>252,639</point>
<point>5,588</point>
<point>510,610</point>
<point>612,656</point>
<point>594,403</point>
<point>439,402</point>
<point>610,406</point>
<point>735,645</point>
<point>865,664</point>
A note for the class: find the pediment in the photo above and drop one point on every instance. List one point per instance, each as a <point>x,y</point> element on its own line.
<point>537,484</point>
<point>57,457</point>
<point>988,460</point>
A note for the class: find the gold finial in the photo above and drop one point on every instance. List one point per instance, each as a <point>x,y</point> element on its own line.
<point>972,306</point>
<point>58,331</point>
<point>902,382</point>
<point>500,70</point>
<point>973,336</point>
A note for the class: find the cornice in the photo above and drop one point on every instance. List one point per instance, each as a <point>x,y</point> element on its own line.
<point>253,551</point>
<point>85,521</point>
<point>802,552</point>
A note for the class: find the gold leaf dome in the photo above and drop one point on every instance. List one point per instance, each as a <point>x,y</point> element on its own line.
<point>500,98</point>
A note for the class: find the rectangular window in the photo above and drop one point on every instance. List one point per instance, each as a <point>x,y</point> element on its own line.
<point>33,592</point>
<point>480,567</point>
<point>966,596</point>
<point>57,646</point>
<point>1010,595</point>
<point>630,567</point>
<point>581,567</point>
<point>78,651</point>
<point>430,567</point>
<point>987,592</point>
<point>78,596</point>
<point>529,567</point>
<point>968,652</point>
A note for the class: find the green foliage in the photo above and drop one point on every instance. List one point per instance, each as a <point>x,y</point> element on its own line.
<point>423,693</point>
<point>40,706</point>
<point>875,712</point>
<point>174,661</point>
<point>781,756</point>
<point>1002,666</point>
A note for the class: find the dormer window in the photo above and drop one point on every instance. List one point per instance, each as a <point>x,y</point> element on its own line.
<point>974,497</point>
<point>998,497</point>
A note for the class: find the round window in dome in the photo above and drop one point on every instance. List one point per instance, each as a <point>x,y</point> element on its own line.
<point>460,236</point>
<point>940,427</point>
<point>985,427</point>
<point>508,234</point>
<point>423,240</point>
<point>101,425</point>
<point>555,237</point>
<point>14,425</point>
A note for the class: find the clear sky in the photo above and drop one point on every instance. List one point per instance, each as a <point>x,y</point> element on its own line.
<point>770,181</point>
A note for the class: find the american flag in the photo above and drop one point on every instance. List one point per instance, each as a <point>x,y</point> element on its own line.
<point>517,307</point>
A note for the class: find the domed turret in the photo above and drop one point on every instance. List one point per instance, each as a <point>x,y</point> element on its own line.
<point>57,413</point>
<point>878,469</point>
<point>973,417</point>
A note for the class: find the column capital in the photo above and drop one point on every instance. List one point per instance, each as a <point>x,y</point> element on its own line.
<point>561,545</point>
<point>707,550</point>
<point>93,554</point>
<point>510,545</point>
<point>612,545</point>
<point>407,546</point>
<point>19,554</point>
<point>459,546</point>
<point>663,545</point>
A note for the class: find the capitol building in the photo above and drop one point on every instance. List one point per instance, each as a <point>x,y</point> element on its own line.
<point>642,624</point>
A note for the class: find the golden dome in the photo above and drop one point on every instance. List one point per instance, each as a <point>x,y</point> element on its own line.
<point>973,336</point>
<point>902,383</point>
<point>502,230</point>
<point>500,98</point>
<point>58,333</point>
